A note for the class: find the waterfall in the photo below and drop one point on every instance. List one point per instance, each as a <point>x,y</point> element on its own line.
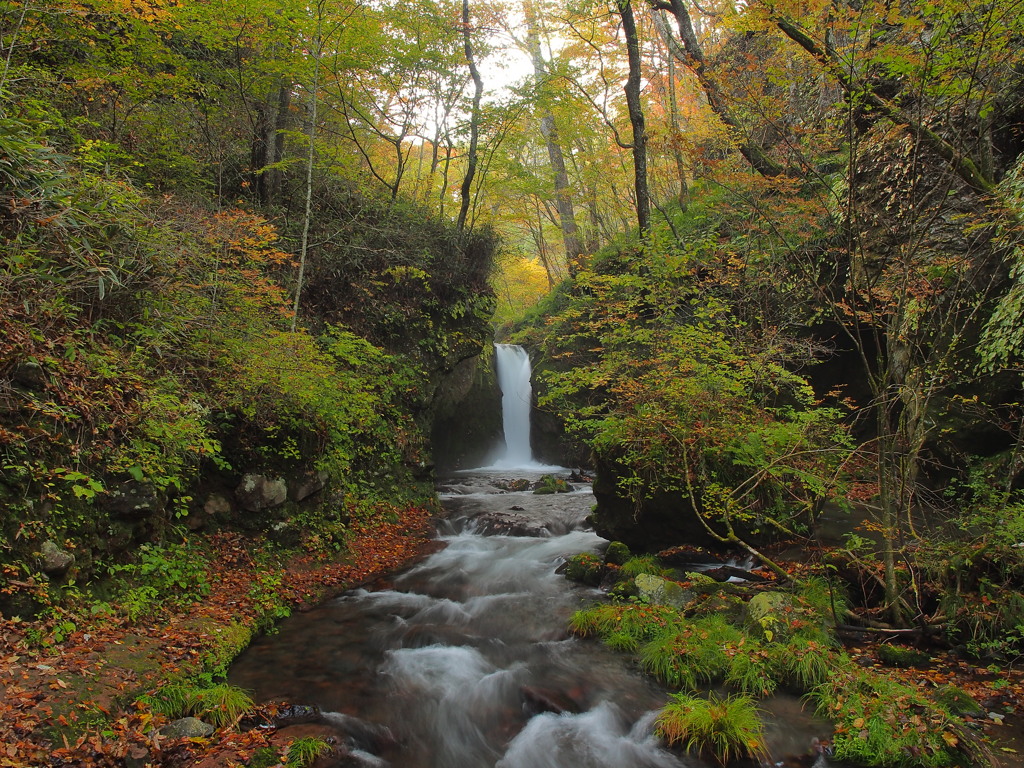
<point>513,368</point>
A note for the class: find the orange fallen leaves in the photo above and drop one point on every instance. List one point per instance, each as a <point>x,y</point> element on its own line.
<point>36,695</point>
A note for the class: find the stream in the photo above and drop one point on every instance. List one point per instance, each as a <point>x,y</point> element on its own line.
<point>464,659</point>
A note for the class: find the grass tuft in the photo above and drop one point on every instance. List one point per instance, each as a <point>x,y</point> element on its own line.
<point>714,727</point>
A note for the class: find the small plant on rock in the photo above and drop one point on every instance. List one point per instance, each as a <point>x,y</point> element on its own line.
<point>302,753</point>
<point>715,727</point>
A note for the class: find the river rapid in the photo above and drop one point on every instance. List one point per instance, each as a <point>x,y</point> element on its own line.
<point>464,659</point>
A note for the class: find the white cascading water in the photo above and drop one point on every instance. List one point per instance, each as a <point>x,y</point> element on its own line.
<point>513,368</point>
<point>465,661</point>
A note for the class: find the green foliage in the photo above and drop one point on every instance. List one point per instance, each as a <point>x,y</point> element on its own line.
<point>692,653</point>
<point>302,753</point>
<point>902,656</point>
<point>883,722</point>
<point>719,728</point>
<point>220,705</point>
<point>652,368</point>
<point>585,568</point>
<point>636,565</point>
<point>641,622</point>
<point>175,573</point>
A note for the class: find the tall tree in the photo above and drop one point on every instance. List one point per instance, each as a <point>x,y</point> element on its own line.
<point>549,130</point>
<point>466,191</point>
<point>636,117</point>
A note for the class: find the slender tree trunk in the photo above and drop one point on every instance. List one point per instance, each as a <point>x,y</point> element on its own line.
<point>474,119</point>
<point>563,192</point>
<point>636,118</point>
<point>311,136</point>
<point>691,54</point>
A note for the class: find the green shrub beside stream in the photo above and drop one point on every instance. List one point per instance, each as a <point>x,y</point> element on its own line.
<point>782,642</point>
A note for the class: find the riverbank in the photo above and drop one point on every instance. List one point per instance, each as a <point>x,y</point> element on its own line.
<point>70,685</point>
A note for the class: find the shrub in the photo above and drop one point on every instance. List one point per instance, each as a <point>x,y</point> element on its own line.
<point>690,653</point>
<point>584,568</point>
<point>716,727</point>
<point>641,622</point>
<point>883,722</point>
<point>220,705</point>
<point>302,753</point>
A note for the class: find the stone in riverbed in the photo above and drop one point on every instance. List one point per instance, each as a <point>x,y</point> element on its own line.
<point>187,728</point>
<point>659,591</point>
<point>505,524</point>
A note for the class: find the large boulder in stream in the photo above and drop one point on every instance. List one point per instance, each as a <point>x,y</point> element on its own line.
<point>659,591</point>
<point>661,520</point>
<point>505,524</point>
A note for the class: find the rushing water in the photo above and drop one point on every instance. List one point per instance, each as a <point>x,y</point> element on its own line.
<point>463,661</point>
<point>512,367</point>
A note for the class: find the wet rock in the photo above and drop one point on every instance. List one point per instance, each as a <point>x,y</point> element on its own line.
<point>137,757</point>
<point>585,568</point>
<point>504,524</point>
<point>550,484</point>
<point>515,486</point>
<point>617,553</point>
<point>54,561</point>
<point>684,556</point>
<point>306,485</point>
<point>218,506</point>
<point>539,700</point>
<point>726,572</point>
<point>30,375</point>
<point>187,728</point>
<point>134,499</point>
<point>258,492</point>
<point>659,591</point>
<point>297,714</point>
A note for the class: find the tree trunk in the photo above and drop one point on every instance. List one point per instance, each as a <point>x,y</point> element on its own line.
<point>636,118</point>
<point>692,56</point>
<point>474,119</point>
<point>563,192</point>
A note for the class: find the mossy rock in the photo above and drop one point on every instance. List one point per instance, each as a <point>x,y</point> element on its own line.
<point>902,656</point>
<point>584,568</point>
<point>550,484</point>
<point>659,591</point>
<point>719,603</point>
<point>957,701</point>
<point>617,553</point>
<point>624,590</point>
<point>769,612</point>
<point>699,579</point>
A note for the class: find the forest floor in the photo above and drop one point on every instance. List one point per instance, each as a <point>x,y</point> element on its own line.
<point>70,703</point>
